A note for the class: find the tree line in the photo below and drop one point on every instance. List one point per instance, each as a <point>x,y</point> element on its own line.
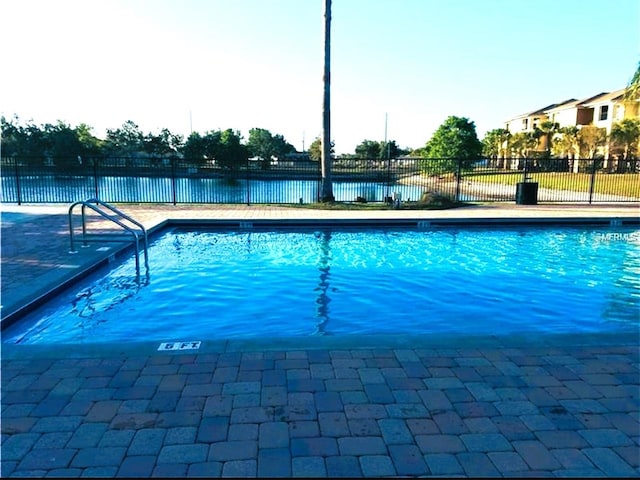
<point>456,139</point>
<point>454,144</point>
<point>225,146</point>
<point>62,142</point>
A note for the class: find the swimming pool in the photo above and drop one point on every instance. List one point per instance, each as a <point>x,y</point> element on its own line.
<point>221,284</point>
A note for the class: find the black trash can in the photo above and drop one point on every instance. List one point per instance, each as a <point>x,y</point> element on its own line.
<point>527,193</point>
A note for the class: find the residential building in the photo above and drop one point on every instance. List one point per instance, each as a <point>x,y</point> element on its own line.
<point>572,113</point>
<point>608,108</point>
<point>528,122</point>
<point>601,110</point>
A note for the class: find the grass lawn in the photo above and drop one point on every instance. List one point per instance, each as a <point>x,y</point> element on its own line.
<point>625,184</point>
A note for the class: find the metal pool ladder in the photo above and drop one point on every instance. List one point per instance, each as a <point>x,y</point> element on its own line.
<point>134,232</point>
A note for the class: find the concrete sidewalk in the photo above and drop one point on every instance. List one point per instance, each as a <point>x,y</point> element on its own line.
<point>369,406</point>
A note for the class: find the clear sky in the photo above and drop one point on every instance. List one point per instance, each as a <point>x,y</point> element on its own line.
<point>199,65</point>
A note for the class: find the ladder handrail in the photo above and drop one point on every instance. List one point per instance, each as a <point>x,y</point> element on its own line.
<point>116,211</point>
<point>96,208</point>
<point>101,213</point>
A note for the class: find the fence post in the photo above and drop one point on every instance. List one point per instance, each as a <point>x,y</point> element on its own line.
<point>19,195</point>
<point>173,180</point>
<point>248,178</point>
<point>319,180</point>
<point>388,177</point>
<point>593,179</point>
<point>458,179</point>
<point>95,177</point>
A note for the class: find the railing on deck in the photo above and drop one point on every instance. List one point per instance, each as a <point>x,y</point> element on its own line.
<point>173,180</point>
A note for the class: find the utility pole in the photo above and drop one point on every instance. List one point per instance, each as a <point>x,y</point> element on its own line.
<point>326,190</point>
<point>386,145</point>
<point>385,128</point>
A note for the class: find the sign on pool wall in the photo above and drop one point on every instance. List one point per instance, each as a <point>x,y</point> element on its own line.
<point>178,346</point>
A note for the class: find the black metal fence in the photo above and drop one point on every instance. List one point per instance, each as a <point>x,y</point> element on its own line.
<point>173,180</point>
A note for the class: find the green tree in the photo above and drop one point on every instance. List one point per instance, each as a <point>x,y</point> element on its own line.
<point>372,150</point>
<point>91,145</point>
<point>264,145</point>
<point>260,144</point>
<point>37,144</point>
<point>200,148</point>
<point>548,129</point>
<point>315,149</point>
<point>524,143</point>
<point>418,152</point>
<point>567,146</point>
<point>233,153</point>
<point>13,137</point>
<point>192,148</point>
<point>126,141</point>
<point>63,146</point>
<point>282,147</point>
<point>391,149</point>
<point>454,142</point>
<point>163,144</point>
<point>369,150</point>
<point>590,139</point>
<point>59,143</point>
<point>625,136</point>
<point>632,92</point>
<point>495,144</point>
<point>27,141</point>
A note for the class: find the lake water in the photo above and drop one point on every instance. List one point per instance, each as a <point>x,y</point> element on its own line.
<point>192,190</point>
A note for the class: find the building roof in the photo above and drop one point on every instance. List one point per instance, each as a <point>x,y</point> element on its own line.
<point>603,98</point>
<point>573,103</point>
<point>541,111</point>
<point>589,102</point>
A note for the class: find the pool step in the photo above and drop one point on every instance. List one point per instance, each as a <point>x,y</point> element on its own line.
<point>106,237</point>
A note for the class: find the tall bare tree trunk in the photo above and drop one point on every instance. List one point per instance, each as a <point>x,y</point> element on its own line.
<point>326,191</point>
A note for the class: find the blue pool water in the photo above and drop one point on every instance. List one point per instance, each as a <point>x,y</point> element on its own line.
<point>240,284</point>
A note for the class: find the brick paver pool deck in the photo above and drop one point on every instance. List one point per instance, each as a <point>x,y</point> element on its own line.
<point>313,407</point>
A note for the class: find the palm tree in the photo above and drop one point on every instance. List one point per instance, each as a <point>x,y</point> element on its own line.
<point>567,146</point>
<point>548,129</point>
<point>590,138</point>
<point>326,190</point>
<point>504,136</point>
<point>633,90</point>
<point>626,135</point>
<point>494,145</point>
<point>522,143</point>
